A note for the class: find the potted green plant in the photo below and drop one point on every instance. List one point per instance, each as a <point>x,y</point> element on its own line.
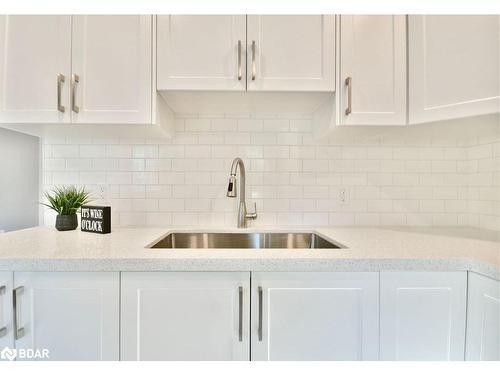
<point>66,201</point>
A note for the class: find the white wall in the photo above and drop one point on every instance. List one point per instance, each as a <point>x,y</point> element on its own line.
<point>416,175</point>
<point>19,180</point>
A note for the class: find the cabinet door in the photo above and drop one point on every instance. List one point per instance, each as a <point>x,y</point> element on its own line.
<point>372,70</point>
<point>34,51</point>
<point>291,53</point>
<point>483,319</point>
<point>453,66</point>
<point>422,315</point>
<point>6,333</point>
<point>201,52</point>
<point>112,57</point>
<point>314,316</point>
<point>185,316</point>
<point>75,315</point>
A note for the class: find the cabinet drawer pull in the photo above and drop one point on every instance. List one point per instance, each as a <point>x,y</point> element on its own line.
<point>3,330</point>
<point>254,73</point>
<point>60,83</point>
<point>240,74</point>
<point>75,79</point>
<point>348,83</point>
<point>240,313</point>
<point>259,331</point>
<point>18,331</point>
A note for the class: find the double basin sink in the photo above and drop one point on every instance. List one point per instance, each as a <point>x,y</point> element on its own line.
<point>271,240</point>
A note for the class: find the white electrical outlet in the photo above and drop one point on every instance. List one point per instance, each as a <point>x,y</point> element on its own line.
<point>343,198</point>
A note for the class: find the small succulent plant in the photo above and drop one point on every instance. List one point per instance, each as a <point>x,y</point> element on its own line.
<point>67,200</point>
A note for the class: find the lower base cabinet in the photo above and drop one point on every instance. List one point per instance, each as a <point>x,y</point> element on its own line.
<point>73,315</point>
<point>315,316</point>
<point>185,316</point>
<point>422,315</point>
<point>250,316</point>
<point>483,319</point>
<point>6,333</point>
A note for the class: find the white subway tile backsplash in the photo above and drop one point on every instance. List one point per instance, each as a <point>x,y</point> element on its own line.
<point>92,151</point>
<point>54,164</point>
<point>171,151</point>
<point>263,139</point>
<point>65,151</point>
<point>341,219</point>
<point>184,191</point>
<point>158,191</point>
<point>119,178</point>
<point>132,191</point>
<point>238,139</point>
<point>289,139</point>
<point>65,178</point>
<point>277,125</point>
<point>118,151</point>
<point>412,176</point>
<point>197,125</point>
<point>250,125</point>
<point>145,151</point>
<point>158,165</point>
<point>172,205</point>
<point>89,178</point>
<point>224,125</point>
<point>301,126</point>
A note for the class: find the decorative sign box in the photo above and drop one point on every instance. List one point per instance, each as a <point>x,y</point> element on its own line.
<point>96,219</point>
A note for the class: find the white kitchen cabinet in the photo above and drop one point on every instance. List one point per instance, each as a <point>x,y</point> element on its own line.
<point>35,57</point>
<point>6,333</point>
<point>422,315</point>
<point>315,316</point>
<point>185,316</point>
<point>483,319</point>
<point>372,85</point>
<point>112,69</point>
<point>201,52</point>
<point>291,53</point>
<point>453,66</point>
<point>75,315</point>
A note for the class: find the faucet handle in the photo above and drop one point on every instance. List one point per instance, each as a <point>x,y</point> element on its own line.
<point>252,215</point>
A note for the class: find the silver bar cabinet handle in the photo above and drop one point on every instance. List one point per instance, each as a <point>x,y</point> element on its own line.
<point>239,61</point>
<point>348,83</point>
<point>18,331</point>
<point>60,83</point>
<point>240,313</point>
<point>253,61</point>
<point>3,330</point>
<point>259,330</point>
<point>75,79</point>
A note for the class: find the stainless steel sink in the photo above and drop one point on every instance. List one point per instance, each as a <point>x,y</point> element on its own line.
<point>244,241</point>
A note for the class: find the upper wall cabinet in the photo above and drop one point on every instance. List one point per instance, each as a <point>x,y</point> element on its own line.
<point>35,68</point>
<point>372,84</point>
<point>112,69</point>
<point>258,53</point>
<point>79,69</point>
<point>453,67</point>
<point>291,53</point>
<point>201,52</point>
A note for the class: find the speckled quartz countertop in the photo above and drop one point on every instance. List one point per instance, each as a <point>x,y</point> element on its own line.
<point>367,249</point>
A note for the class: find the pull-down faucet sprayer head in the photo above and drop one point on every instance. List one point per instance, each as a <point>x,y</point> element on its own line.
<point>231,187</point>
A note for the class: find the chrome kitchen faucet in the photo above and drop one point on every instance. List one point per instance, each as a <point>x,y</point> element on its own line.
<point>232,192</point>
